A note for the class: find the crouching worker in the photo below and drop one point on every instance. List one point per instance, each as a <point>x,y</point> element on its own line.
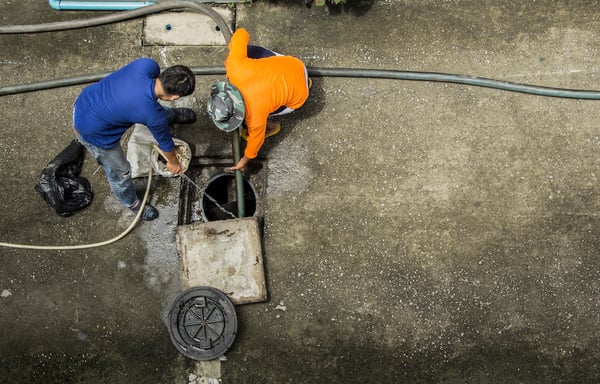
<point>105,110</point>
<point>262,84</point>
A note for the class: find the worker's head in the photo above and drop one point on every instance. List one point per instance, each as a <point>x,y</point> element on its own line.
<point>178,80</point>
<point>226,106</point>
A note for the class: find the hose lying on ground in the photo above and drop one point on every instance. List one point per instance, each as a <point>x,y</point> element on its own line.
<point>346,72</point>
<point>225,30</point>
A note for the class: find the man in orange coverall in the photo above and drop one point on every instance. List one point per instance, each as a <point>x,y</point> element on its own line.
<point>270,84</point>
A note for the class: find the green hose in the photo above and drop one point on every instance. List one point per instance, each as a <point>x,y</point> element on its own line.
<point>239,181</point>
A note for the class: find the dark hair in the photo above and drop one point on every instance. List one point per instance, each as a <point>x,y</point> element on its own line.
<point>178,80</point>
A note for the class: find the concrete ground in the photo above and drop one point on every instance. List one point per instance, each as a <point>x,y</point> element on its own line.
<point>414,232</point>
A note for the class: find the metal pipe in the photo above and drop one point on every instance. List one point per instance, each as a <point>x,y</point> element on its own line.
<point>70,5</point>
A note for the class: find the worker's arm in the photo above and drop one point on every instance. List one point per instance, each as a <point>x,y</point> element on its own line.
<point>256,138</point>
<point>241,165</point>
<point>238,45</point>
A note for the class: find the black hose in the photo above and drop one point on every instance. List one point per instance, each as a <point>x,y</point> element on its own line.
<point>42,85</point>
<point>84,79</point>
<point>346,72</point>
<point>458,79</point>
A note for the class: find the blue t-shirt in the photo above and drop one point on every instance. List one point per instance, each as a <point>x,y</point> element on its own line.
<point>106,109</point>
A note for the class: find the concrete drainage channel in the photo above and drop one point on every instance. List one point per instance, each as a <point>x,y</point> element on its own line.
<point>220,257</point>
<point>217,249</point>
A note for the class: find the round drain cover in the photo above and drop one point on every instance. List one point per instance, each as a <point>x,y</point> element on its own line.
<point>202,323</point>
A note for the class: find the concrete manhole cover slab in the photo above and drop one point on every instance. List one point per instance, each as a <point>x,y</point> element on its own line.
<point>225,254</point>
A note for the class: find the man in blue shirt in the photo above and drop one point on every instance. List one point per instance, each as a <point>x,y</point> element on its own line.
<point>105,110</point>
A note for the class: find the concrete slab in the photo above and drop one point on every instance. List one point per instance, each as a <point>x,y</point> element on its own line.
<point>224,254</point>
<point>176,28</point>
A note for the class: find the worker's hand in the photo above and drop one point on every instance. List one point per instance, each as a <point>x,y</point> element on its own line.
<point>174,167</point>
<point>173,164</point>
<point>241,165</point>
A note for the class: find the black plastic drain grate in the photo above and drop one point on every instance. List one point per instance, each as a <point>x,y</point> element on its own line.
<point>202,323</point>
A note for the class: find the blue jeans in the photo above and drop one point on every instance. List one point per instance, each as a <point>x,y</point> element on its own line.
<point>117,168</point>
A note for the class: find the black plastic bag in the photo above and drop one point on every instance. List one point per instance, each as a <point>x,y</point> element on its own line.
<point>60,184</point>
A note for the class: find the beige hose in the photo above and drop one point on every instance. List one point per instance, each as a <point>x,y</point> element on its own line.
<point>93,245</point>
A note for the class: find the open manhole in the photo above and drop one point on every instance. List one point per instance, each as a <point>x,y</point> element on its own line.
<point>202,323</point>
<point>219,200</point>
<point>206,181</point>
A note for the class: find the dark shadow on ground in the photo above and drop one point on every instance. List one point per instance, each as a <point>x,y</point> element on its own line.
<point>355,7</point>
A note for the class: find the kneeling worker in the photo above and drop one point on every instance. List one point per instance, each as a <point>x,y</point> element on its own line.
<point>262,84</point>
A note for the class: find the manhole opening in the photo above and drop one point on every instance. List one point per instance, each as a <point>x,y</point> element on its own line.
<point>220,200</point>
<point>211,195</point>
